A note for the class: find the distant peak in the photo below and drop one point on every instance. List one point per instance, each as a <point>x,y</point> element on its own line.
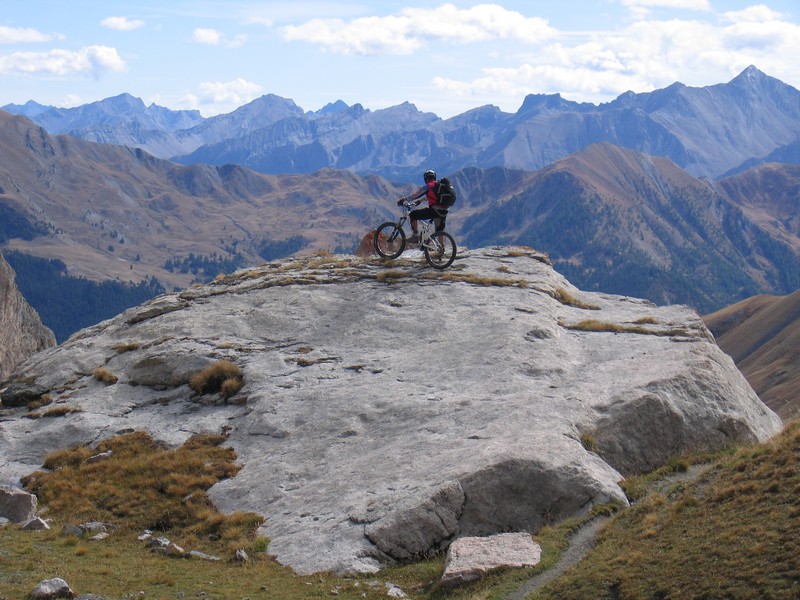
<point>122,100</point>
<point>750,74</point>
<point>537,102</point>
<point>333,107</point>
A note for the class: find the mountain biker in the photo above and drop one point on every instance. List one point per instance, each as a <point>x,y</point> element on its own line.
<point>434,210</point>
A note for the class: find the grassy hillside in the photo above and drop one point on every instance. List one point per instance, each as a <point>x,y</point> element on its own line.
<point>762,335</point>
<point>731,533</point>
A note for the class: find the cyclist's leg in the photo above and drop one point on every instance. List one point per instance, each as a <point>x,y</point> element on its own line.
<point>414,216</point>
<point>440,221</point>
<point>418,215</point>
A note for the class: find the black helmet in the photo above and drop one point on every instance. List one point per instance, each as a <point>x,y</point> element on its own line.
<point>429,176</point>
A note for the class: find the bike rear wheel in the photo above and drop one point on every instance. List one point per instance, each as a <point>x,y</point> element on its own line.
<point>390,240</point>
<point>440,250</point>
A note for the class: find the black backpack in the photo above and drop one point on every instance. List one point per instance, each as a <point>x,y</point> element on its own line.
<point>445,192</point>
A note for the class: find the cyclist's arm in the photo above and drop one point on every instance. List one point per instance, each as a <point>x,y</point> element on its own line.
<point>418,194</point>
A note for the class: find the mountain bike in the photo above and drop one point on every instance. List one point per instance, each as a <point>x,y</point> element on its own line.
<point>439,247</point>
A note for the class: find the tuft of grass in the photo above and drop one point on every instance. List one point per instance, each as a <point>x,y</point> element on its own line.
<point>41,401</point>
<point>230,387</point>
<point>54,411</point>
<point>595,325</point>
<point>476,279</point>
<point>565,297</point>
<point>392,275</point>
<point>104,375</point>
<point>646,321</point>
<point>221,377</point>
<point>520,251</point>
<point>588,441</point>
<point>123,348</point>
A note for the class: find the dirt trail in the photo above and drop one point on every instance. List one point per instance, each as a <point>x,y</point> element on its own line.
<point>579,544</point>
<point>583,539</point>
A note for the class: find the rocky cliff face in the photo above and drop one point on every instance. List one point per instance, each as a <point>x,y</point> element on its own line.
<point>388,409</point>
<point>21,330</point>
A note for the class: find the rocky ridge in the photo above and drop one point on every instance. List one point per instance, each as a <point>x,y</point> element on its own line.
<point>388,410</point>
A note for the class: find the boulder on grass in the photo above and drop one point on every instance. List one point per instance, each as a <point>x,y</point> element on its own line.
<point>470,558</point>
<point>16,505</point>
<point>50,589</point>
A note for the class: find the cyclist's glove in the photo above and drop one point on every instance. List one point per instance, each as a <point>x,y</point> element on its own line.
<point>402,200</point>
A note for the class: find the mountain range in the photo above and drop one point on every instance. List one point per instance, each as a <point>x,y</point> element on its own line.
<point>708,131</point>
<point>612,219</point>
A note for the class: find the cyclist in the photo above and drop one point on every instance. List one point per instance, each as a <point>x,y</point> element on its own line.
<point>434,210</point>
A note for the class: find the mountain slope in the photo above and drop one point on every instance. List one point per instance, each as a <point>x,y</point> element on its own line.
<point>762,335</point>
<point>624,222</point>
<point>768,195</point>
<point>114,212</point>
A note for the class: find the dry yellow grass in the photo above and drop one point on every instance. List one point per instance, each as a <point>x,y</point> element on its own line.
<point>213,378</point>
<point>104,375</point>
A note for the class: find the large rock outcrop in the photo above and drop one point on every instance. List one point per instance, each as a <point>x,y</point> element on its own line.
<point>21,330</point>
<point>388,409</point>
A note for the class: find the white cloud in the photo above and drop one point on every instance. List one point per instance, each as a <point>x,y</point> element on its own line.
<point>17,35</point>
<point>215,97</point>
<point>414,27</point>
<point>760,36</point>
<point>212,37</point>
<point>679,4</point>
<point>71,100</point>
<point>644,56</point>
<point>640,9</point>
<point>755,14</point>
<point>122,23</point>
<point>259,20</point>
<point>236,41</point>
<point>207,36</point>
<point>91,60</point>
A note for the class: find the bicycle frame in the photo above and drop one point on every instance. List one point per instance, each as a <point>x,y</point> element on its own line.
<point>425,233</point>
<point>427,238</point>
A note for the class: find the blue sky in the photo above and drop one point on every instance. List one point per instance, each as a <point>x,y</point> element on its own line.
<point>444,57</point>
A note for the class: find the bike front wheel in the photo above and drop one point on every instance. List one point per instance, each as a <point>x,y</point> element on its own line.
<point>390,240</point>
<point>440,250</point>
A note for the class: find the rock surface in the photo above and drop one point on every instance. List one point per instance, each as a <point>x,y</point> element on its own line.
<point>388,409</point>
<point>50,589</point>
<point>21,330</point>
<point>469,558</point>
<point>17,505</point>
